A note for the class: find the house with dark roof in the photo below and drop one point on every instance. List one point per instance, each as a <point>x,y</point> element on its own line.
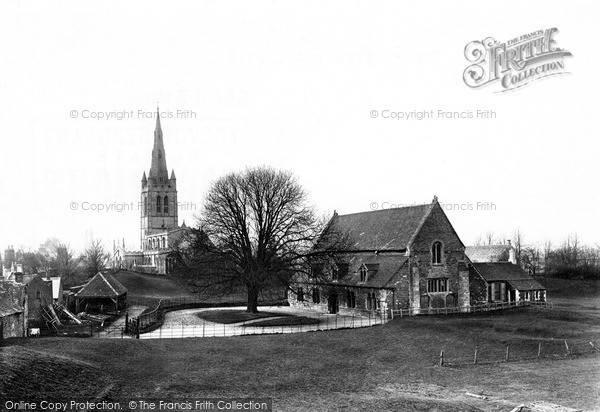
<point>507,282</point>
<point>409,257</point>
<point>13,310</point>
<point>103,293</point>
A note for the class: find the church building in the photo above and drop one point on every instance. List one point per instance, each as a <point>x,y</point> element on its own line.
<point>159,225</point>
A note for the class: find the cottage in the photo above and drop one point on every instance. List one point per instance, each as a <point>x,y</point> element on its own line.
<point>409,257</point>
<point>103,293</point>
<point>13,310</point>
<point>507,282</point>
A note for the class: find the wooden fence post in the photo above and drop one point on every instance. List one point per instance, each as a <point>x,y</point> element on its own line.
<point>442,358</point>
<point>539,350</point>
<point>126,322</point>
<point>475,357</point>
<point>137,329</point>
<point>567,346</point>
<point>507,357</point>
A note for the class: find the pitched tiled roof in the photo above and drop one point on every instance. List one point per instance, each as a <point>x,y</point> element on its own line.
<point>505,271</point>
<point>103,285</point>
<point>10,298</point>
<point>388,229</point>
<point>381,269</point>
<point>488,253</point>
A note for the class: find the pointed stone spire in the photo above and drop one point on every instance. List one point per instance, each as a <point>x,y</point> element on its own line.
<point>158,168</point>
<point>173,174</point>
<point>144,179</point>
<point>158,128</point>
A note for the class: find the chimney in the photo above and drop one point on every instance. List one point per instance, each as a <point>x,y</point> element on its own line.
<point>511,254</point>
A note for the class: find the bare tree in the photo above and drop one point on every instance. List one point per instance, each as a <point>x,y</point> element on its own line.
<point>530,259</point>
<point>95,258</point>
<point>258,227</point>
<point>65,263</point>
<point>486,239</point>
<point>518,245</point>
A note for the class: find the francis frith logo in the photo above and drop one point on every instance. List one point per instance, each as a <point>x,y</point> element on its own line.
<point>516,62</point>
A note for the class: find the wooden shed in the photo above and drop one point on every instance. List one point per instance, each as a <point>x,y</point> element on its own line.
<point>102,294</point>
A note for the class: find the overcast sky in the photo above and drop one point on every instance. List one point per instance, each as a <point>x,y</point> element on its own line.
<point>292,85</point>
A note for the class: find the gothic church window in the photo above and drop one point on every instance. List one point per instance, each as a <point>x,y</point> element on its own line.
<point>335,275</point>
<point>316,295</point>
<point>158,204</point>
<point>363,274</point>
<point>351,299</point>
<point>166,205</point>
<point>436,253</point>
<point>300,295</point>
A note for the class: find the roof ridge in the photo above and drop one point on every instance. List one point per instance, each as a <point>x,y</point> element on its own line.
<point>108,283</point>
<point>383,210</point>
<point>497,245</point>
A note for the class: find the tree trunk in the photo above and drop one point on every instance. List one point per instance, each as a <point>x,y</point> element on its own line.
<point>252,306</point>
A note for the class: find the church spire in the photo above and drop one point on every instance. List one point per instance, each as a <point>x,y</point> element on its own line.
<point>158,129</point>
<point>158,168</point>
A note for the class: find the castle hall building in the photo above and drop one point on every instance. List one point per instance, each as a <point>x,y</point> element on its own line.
<point>159,225</point>
<point>409,257</point>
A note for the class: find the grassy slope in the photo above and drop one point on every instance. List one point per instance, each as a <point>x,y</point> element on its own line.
<point>150,286</point>
<point>388,367</point>
<point>391,367</point>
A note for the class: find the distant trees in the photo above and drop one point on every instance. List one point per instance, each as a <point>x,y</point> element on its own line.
<point>58,259</point>
<point>65,263</point>
<point>517,244</point>
<point>570,259</point>
<point>33,262</point>
<point>488,238</point>
<point>95,258</point>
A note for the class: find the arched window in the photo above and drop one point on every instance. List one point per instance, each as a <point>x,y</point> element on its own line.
<point>351,299</point>
<point>436,253</point>
<point>164,243</point>
<point>316,295</point>
<point>166,204</point>
<point>300,294</point>
<point>335,274</point>
<point>363,273</point>
<point>149,244</point>
<point>158,208</point>
<point>372,302</point>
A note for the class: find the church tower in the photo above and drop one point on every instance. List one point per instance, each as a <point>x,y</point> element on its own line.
<point>159,192</point>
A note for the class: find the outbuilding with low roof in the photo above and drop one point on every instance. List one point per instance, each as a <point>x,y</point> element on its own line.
<point>102,294</point>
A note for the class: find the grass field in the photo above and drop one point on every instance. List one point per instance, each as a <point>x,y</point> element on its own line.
<point>391,367</point>
<point>150,286</point>
<point>235,316</point>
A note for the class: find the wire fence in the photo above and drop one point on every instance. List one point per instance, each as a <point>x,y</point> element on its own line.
<point>210,329</point>
<point>275,324</point>
<point>527,350</point>
<point>486,307</point>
